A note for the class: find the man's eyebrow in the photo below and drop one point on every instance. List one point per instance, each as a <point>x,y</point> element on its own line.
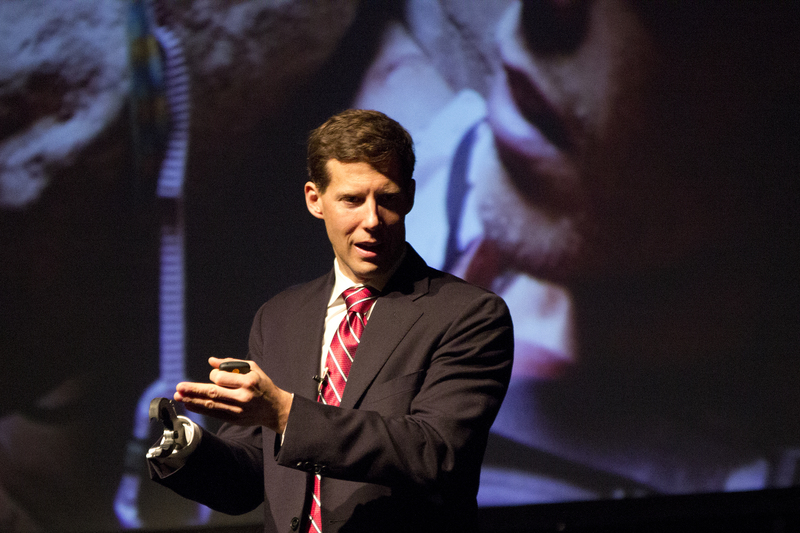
<point>348,194</point>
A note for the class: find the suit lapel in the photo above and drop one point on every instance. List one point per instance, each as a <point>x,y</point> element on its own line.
<point>394,314</point>
<point>309,319</point>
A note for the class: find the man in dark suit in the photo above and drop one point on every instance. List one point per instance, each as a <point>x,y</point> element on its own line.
<point>400,448</point>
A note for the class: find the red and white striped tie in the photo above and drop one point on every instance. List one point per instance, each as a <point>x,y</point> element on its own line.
<point>338,361</point>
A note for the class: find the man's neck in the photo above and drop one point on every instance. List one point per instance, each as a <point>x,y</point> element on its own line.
<point>378,282</point>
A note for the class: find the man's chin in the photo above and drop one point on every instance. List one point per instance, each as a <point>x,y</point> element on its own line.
<point>365,270</point>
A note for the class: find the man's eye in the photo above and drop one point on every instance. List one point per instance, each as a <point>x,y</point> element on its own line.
<point>390,202</point>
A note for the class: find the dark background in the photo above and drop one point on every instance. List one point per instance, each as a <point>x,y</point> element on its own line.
<point>79,316</point>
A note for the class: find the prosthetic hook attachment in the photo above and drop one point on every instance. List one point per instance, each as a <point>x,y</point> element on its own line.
<point>174,433</point>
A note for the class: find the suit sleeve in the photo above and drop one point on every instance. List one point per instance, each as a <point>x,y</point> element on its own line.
<point>425,429</point>
<point>226,475</point>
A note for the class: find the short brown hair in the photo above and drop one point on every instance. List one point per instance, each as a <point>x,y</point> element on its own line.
<point>360,136</point>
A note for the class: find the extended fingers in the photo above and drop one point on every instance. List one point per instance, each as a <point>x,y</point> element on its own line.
<point>209,396</point>
<point>196,390</point>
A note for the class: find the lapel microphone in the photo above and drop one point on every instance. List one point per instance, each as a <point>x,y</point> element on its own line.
<point>321,380</point>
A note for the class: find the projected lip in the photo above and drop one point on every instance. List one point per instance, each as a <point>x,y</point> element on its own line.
<point>530,106</point>
<point>532,140</point>
<point>533,136</point>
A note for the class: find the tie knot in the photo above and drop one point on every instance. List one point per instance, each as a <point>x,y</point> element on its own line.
<point>359,299</point>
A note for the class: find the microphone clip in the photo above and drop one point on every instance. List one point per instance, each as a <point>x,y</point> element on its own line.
<point>321,380</point>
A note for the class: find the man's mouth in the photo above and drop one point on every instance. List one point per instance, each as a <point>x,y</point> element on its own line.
<point>368,249</point>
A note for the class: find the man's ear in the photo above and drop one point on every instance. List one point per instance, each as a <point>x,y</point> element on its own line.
<point>410,190</point>
<point>313,200</point>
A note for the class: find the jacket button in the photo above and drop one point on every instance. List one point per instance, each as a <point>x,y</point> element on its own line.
<point>295,523</point>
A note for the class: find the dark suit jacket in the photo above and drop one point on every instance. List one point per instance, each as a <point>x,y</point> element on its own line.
<point>403,451</point>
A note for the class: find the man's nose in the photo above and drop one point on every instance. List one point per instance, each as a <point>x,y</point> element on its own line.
<point>372,216</point>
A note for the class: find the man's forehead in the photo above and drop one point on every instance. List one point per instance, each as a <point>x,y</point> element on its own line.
<point>353,174</point>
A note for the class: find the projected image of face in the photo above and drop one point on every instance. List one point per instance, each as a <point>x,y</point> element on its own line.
<point>612,182</point>
<point>630,159</point>
<point>601,122</point>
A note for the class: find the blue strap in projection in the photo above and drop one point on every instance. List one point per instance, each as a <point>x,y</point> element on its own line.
<point>160,120</point>
<point>457,190</point>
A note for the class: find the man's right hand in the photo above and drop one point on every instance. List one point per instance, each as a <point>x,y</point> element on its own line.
<point>250,399</point>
